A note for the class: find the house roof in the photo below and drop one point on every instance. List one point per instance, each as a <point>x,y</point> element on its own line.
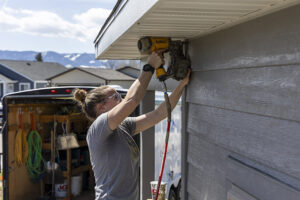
<point>189,19</point>
<point>106,74</point>
<point>131,67</point>
<point>6,79</point>
<point>34,70</point>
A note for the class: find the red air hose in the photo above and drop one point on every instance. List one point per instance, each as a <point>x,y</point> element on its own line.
<point>168,105</point>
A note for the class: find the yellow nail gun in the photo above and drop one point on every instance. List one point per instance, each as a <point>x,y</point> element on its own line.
<point>179,64</point>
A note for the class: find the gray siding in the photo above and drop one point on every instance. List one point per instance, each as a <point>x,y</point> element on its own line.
<point>243,113</point>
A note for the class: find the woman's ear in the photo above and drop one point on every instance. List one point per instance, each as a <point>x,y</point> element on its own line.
<point>100,107</point>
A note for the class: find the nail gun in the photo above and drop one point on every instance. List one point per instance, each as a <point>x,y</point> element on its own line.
<point>179,64</point>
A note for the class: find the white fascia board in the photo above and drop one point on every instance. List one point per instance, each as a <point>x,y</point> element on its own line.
<point>126,16</point>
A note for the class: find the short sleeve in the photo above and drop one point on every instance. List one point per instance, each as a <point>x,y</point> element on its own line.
<point>99,130</point>
<point>129,124</point>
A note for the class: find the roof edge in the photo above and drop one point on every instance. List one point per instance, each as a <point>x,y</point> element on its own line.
<point>106,78</point>
<point>82,69</point>
<point>74,68</point>
<point>16,72</point>
<point>106,23</point>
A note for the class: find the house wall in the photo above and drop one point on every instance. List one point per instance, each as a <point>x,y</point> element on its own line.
<point>124,84</point>
<point>16,86</point>
<point>77,77</point>
<point>15,76</point>
<point>242,111</point>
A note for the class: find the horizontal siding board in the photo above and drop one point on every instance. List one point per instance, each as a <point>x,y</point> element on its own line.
<point>258,184</point>
<point>268,171</point>
<point>193,191</point>
<point>210,169</point>
<point>190,197</point>
<point>271,141</point>
<point>244,99</point>
<point>269,91</point>
<point>206,172</point>
<point>269,40</point>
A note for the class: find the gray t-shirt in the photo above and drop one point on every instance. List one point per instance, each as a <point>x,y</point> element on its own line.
<point>115,159</point>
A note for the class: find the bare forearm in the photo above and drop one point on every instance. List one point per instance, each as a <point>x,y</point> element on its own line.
<point>174,97</point>
<point>138,89</point>
<point>135,93</point>
<point>149,119</point>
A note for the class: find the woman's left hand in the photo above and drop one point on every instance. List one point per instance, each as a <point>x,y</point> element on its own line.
<point>186,80</point>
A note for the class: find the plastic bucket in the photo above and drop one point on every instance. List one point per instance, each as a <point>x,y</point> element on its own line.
<point>76,185</point>
<point>162,190</point>
<point>61,189</point>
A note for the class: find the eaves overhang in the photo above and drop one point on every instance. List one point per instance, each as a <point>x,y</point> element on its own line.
<point>189,19</point>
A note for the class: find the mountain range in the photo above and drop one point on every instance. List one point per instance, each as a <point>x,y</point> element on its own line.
<point>68,59</point>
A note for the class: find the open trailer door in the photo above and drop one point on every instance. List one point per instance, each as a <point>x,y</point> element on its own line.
<point>33,119</point>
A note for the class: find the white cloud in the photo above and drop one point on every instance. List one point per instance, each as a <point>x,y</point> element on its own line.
<point>3,3</point>
<point>84,27</point>
<point>92,19</point>
<point>93,16</point>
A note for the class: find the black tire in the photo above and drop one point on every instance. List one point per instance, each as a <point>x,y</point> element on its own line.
<point>172,194</point>
<point>178,190</point>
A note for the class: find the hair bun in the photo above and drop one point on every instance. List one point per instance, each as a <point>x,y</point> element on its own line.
<point>80,95</point>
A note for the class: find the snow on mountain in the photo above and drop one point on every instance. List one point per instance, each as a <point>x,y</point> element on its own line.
<point>68,59</point>
<point>75,57</point>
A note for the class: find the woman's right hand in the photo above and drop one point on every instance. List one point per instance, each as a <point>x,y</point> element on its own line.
<point>186,79</point>
<point>156,59</point>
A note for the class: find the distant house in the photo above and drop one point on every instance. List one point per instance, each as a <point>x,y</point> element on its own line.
<point>23,75</point>
<point>91,77</point>
<point>130,71</point>
<point>6,85</point>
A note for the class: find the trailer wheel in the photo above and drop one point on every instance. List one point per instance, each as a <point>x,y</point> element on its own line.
<point>179,191</point>
<point>172,194</point>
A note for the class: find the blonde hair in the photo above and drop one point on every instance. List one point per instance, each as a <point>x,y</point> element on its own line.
<point>89,100</point>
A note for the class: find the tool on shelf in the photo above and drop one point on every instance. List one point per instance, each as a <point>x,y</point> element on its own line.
<point>66,140</point>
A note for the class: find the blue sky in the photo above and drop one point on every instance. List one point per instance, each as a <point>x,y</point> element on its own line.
<point>64,26</point>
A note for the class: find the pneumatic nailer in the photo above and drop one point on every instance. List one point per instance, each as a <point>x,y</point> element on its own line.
<point>179,63</point>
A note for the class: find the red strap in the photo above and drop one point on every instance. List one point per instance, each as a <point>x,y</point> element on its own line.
<point>20,120</point>
<point>32,121</point>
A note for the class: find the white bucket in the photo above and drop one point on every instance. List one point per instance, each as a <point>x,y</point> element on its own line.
<point>162,190</point>
<point>61,189</point>
<point>76,185</point>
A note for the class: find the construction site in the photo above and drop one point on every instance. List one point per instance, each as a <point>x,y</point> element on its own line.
<point>234,134</point>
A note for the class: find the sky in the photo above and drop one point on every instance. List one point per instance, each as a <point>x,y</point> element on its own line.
<point>64,26</point>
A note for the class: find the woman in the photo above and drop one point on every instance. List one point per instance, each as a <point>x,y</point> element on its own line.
<point>114,154</point>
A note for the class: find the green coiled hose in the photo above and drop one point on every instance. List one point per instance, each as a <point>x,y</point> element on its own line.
<point>35,162</point>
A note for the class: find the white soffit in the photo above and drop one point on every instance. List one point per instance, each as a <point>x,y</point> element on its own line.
<point>176,19</point>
